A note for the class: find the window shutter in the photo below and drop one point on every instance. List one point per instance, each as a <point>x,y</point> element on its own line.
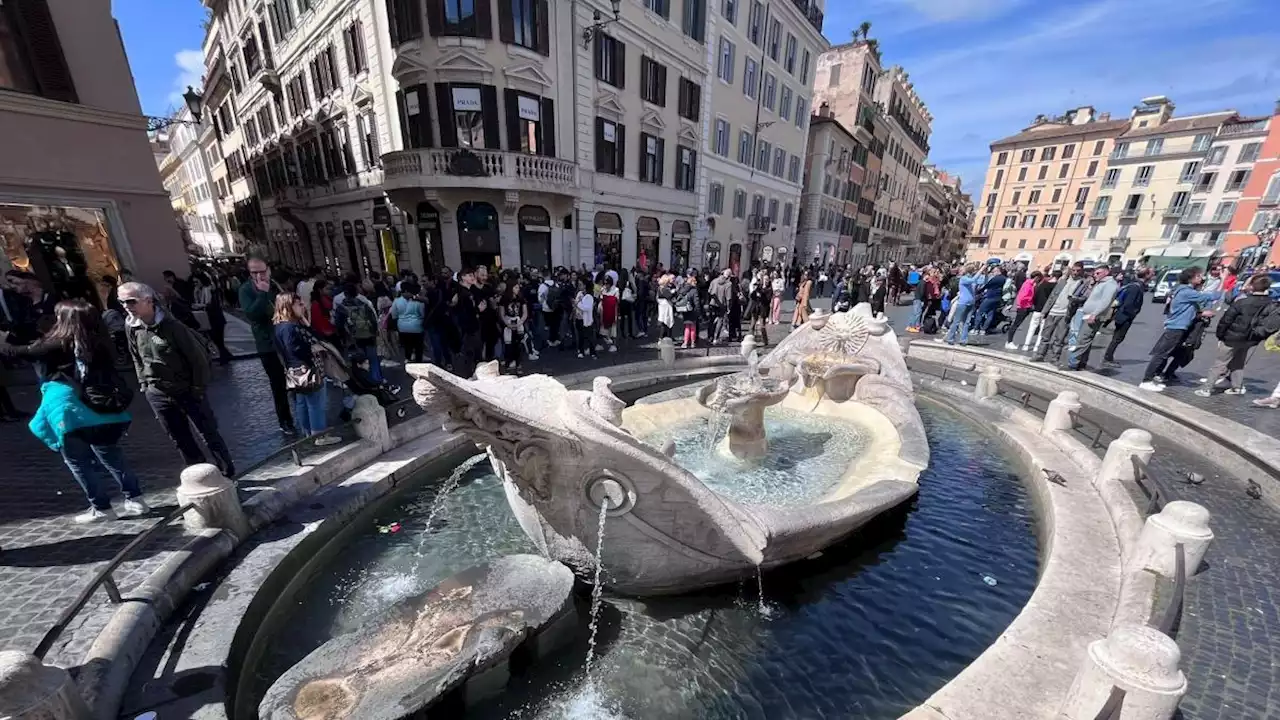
<point>662,85</point>
<point>542,17</point>
<point>642,155</point>
<point>621,136</point>
<point>622,64</point>
<point>346,48</point>
<point>511,103</point>
<point>662,161</point>
<point>425,137</point>
<point>402,110</point>
<point>484,19</point>
<point>40,36</point>
<point>599,144</point>
<point>435,21</point>
<point>548,127</point>
<point>444,105</point>
<point>506,23</point>
<point>489,111</point>
<point>598,48</point>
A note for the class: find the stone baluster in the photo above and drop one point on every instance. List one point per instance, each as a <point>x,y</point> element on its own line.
<point>1179,522</point>
<point>30,690</point>
<point>988,384</point>
<point>748,345</point>
<point>1117,464</point>
<point>1140,660</point>
<point>1059,415</point>
<point>217,505</point>
<point>667,351</point>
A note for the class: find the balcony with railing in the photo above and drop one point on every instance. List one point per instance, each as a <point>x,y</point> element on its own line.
<point>492,169</point>
<point>1129,213</point>
<point>759,224</point>
<point>1118,245</point>
<point>1255,127</point>
<point>1175,210</point>
<point>811,11</point>
<point>1099,212</point>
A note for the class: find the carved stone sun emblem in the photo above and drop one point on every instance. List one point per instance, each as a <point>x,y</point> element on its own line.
<point>844,334</point>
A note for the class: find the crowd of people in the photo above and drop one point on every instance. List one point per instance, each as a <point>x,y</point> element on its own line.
<point>314,332</point>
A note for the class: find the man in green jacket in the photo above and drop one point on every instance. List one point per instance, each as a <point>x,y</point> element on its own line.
<point>258,302</point>
<point>174,373</point>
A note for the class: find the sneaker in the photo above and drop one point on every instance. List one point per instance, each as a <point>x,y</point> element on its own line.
<point>134,507</point>
<point>939,339</point>
<point>580,356</point>
<point>1235,391</point>
<point>613,348</point>
<point>1011,346</point>
<point>1151,386</point>
<point>94,515</point>
<point>327,440</point>
<point>1111,364</point>
<point>1204,392</point>
<point>1024,348</point>
<point>1272,402</point>
<point>913,329</point>
<point>291,432</point>
<point>534,356</point>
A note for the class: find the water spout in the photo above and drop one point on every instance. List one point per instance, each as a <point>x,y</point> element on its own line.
<point>447,487</point>
<point>597,589</point>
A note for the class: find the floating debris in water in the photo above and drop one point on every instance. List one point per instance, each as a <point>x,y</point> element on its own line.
<point>394,527</point>
<point>989,580</point>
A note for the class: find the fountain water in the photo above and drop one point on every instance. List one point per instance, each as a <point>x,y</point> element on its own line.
<point>760,603</point>
<point>447,487</point>
<point>597,589</point>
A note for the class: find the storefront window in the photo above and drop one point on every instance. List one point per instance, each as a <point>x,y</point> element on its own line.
<point>648,236</point>
<point>608,251</point>
<point>680,235</point>
<point>68,248</point>
<point>735,257</point>
<point>535,237</point>
<point>713,256</point>
<point>478,235</point>
<point>429,238</point>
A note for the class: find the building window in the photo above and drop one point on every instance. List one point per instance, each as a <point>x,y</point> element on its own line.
<point>999,177</point>
<point>775,39</point>
<point>1226,209</point>
<point>779,162</point>
<point>693,20</point>
<point>763,152</point>
<point>1050,220</point>
<point>524,23</point>
<point>1044,172</point>
<point>1099,146</point>
<point>1206,181</point>
<point>651,160</point>
<point>715,199</point>
<point>724,61</point>
<point>789,54</point>
<point>1143,178</point>
<point>1034,198</point>
<point>985,226</point>
<point>1068,151</point>
<point>755,22</point>
<point>610,147</point>
<point>367,126</point>
<point>1066,244</point>
<point>1002,158</point>
<point>461,18</point>
<point>1017,198</point>
<point>1093,168</point>
<point>1111,178</point>
<point>353,45</point>
<point>405,19</point>
<point>1238,179</point>
<point>1022,174</point>
<point>1076,220</point>
<point>787,212</point>
<point>1249,152</point>
<point>1121,151</point>
<point>1201,142</point>
<point>1154,146</point>
<point>1062,171</point>
<point>784,103</point>
<point>739,203</point>
<point>1029,221</point>
<point>1047,154</point>
<point>745,147</point>
<point>611,60</point>
<point>802,112</point>
<point>1028,155</point>
<point>686,168</point>
<point>793,169</point>
<point>1057,195</point>
<point>729,9</point>
<point>1216,156</point>
<point>653,82</point>
<point>770,91</point>
<point>750,81</point>
<point>722,138</point>
<point>530,123</point>
<point>1190,171</point>
<point>1010,221</point>
<point>661,7</point>
<point>690,98</point>
<point>1004,243</point>
<point>804,68</point>
<point>1272,194</point>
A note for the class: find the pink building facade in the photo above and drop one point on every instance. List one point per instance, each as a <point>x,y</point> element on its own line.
<point>78,181</point>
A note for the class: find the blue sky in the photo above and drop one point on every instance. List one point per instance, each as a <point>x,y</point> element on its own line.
<point>984,67</point>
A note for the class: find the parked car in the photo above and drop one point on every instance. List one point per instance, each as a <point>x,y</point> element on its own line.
<point>1166,284</point>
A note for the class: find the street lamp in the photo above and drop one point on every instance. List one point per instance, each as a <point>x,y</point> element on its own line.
<point>195,104</point>
<point>598,25</point>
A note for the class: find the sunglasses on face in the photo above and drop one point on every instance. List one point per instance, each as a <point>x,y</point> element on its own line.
<point>130,302</point>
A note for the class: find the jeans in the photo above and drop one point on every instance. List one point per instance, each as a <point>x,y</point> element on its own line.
<point>177,413</point>
<point>1165,346</point>
<point>279,394</point>
<point>1078,352</point>
<point>91,464</point>
<point>369,349</point>
<point>642,316</point>
<point>1118,334</point>
<point>439,352</point>
<point>412,344</point>
<point>987,312</point>
<point>960,321</point>
<point>917,310</point>
<point>1230,361</point>
<point>1017,322</point>
<point>586,339</point>
<point>312,410</point>
<point>626,321</point>
<point>1032,340</point>
<point>1054,336</point>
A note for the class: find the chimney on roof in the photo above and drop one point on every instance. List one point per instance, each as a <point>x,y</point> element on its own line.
<point>824,110</point>
<point>1081,115</point>
<point>1103,117</point>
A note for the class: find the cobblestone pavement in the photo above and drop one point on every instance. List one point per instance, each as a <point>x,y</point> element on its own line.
<point>45,559</point>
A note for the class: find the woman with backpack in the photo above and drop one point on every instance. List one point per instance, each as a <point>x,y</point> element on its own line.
<point>1247,321</point>
<point>358,320</point>
<point>83,410</point>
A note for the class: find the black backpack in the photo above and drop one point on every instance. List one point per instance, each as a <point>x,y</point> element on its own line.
<point>102,390</point>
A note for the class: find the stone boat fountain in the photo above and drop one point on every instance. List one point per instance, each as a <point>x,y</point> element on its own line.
<point>566,455</point>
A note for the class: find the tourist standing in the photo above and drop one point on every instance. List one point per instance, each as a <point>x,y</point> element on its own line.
<point>584,304</point>
<point>779,286</point>
<point>609,304</point>
<point>804,288</point>
<point>1128,304</point>
<point>357,319</point>
<point>408,312</point>
<point>1247,321</point>
<point>666,306</point>
<point>963,304</point>
<point>1022,307</point>
<point>257,301</point>
<point>1057,318</point>
<point>688,303</point>
<point>1092,315</point>
<point>300,350</point>
<point>83,413</point>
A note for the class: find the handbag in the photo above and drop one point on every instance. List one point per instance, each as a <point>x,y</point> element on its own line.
<point>309,377</point>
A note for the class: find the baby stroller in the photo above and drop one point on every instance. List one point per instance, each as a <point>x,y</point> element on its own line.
<point>351,372</point>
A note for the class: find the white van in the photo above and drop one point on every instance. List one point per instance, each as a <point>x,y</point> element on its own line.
<point>1167,282</point>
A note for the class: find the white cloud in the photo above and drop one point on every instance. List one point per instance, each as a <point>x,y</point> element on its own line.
<point>190,72</point>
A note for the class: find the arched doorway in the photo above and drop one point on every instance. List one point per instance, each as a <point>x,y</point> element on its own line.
<point>681,234</point>
<point>608,250</point>
<point>535,237</point>
<point>712,261</point>
<point>648,232</point>
<point>735,257</point>
<point>429,238</point>
<point>478,237</point>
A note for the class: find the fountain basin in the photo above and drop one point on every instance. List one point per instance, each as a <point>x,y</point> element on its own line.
<point>406,659</point>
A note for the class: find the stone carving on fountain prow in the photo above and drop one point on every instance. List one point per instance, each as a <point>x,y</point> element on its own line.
<point>563,453</point>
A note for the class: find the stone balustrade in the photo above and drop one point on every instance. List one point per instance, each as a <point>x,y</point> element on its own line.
<point>444,167</point>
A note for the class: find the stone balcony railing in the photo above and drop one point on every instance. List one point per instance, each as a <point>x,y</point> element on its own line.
<point>496,169</point>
